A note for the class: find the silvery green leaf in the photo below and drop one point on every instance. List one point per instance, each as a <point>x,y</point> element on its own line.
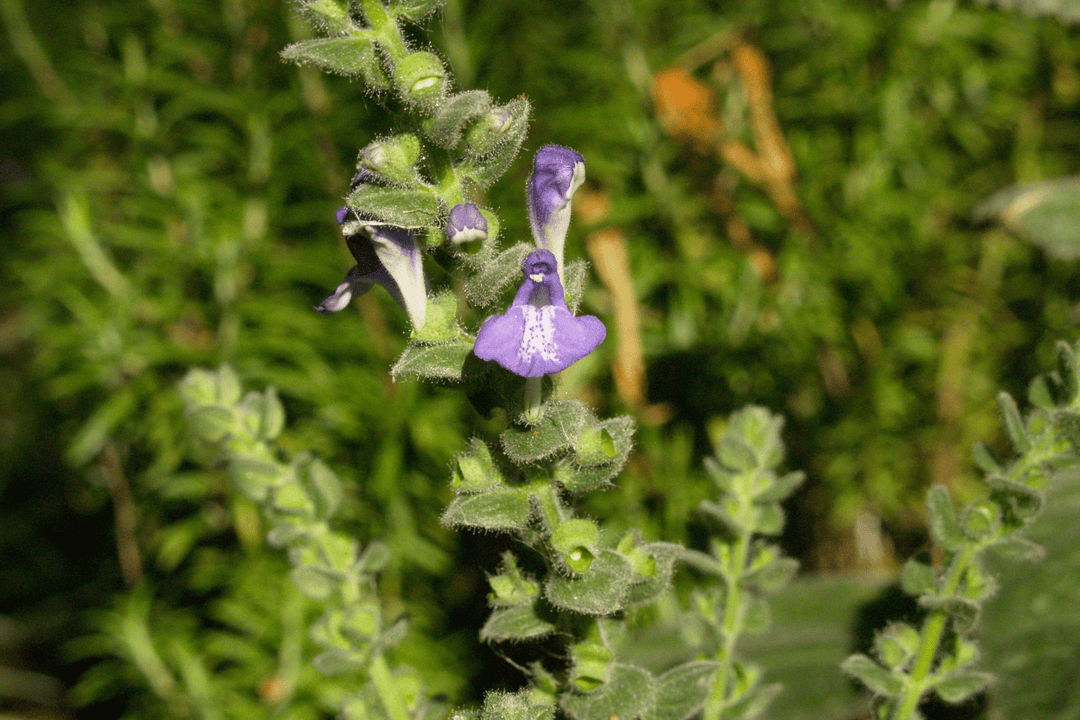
<point>212,423</point>
<point>985,459</point>
<point>374,558</point>
<point>629,693</point>
<point>1014,424</point>
<point>600,591</point>
<point>199,388</point>
<point>944,525</point>
<point>354,55</point>
<point>876,678</point>
<point>273,415</point>
<point>770,519</point>
<point>291,499</point>
<point>501,508</point>
<point>781,487</point>
<point>520,622</point>
<point>774,575</point>
<point>484,289</point>
<point>338,662</point>
<point>1022,501</point>
<point>918,578</point>
<point>255,478</point>
<point>1045,213</point>
<point>443,361</point>
<point>453,114</point>
<point>312,582</point>
<point>956,687</point>
<point>682,691</point>
<point>326,486</point>
<point>400,207</point>
<point>416,9</point>
<point>1016,547</point>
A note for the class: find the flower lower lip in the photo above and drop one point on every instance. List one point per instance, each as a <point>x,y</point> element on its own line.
<point>538,277</point>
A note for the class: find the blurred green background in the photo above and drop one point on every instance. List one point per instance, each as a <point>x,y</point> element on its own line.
<point>798,189</point>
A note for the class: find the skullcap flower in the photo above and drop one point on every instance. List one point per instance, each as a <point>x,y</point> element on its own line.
<point>557,174</point>
<point>538,335</point>
<point>385,255</point>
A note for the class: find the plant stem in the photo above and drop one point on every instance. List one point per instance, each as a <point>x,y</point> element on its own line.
<point>731,625</point>
<point>385,29</point>
<point>933,629</point>
<point>387,689</point>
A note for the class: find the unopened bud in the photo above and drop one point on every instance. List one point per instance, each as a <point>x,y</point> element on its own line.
<point>421,78</point>
<point>466,224</point>
<point>393,158</point>
<point>483,136</point>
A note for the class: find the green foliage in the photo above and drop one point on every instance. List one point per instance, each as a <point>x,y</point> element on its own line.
<point>940,656</point>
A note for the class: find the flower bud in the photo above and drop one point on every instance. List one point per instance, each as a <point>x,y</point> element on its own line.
<point>591,665</point>
<point>421,78</point>
<point>466,224</point>
<point>484,135</point>
<point>576,540</point>
<point>393,158</point>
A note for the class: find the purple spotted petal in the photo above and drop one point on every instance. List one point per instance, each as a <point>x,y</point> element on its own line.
<point>538,335</point>
<point>557,174</point>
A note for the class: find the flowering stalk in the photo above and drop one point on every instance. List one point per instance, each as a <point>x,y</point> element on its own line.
<point>940,656</point>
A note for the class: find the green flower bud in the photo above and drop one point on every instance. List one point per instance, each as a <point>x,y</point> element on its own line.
<point>486,132</point>
<point>421,79</point>
<point>393,158</point>
<point>576,542</point>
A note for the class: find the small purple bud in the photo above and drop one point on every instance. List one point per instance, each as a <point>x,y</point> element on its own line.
<point>342,214</point>
<point>466,224</point>
<point>557,174</point>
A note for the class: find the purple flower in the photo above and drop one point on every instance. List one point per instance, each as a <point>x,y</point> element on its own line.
<point>466,224</point>
<point>385,255</point>
<point>538,335</point>
<point>557,174</point>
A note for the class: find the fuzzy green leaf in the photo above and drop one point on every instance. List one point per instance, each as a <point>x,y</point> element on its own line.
<point>918,578</point>
<point>682,691</point>
<point>519,622</point>
<point>958,686</point>
<point>577,478</point>
<point>1045,213</point>
<point>944,526</point>
<point>354,55</point>
<point>500,705</point>
<point>1016,547</point>
<point>453,114</point>
<point>600,591</point>
<point>629,692</point>
<point>474,470</point>
<point>652,580</point>
<point>876,678</point>
<point>396,206</point>
<point>443,361</point>
<point>501,508</point>
<point>559,428</point>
